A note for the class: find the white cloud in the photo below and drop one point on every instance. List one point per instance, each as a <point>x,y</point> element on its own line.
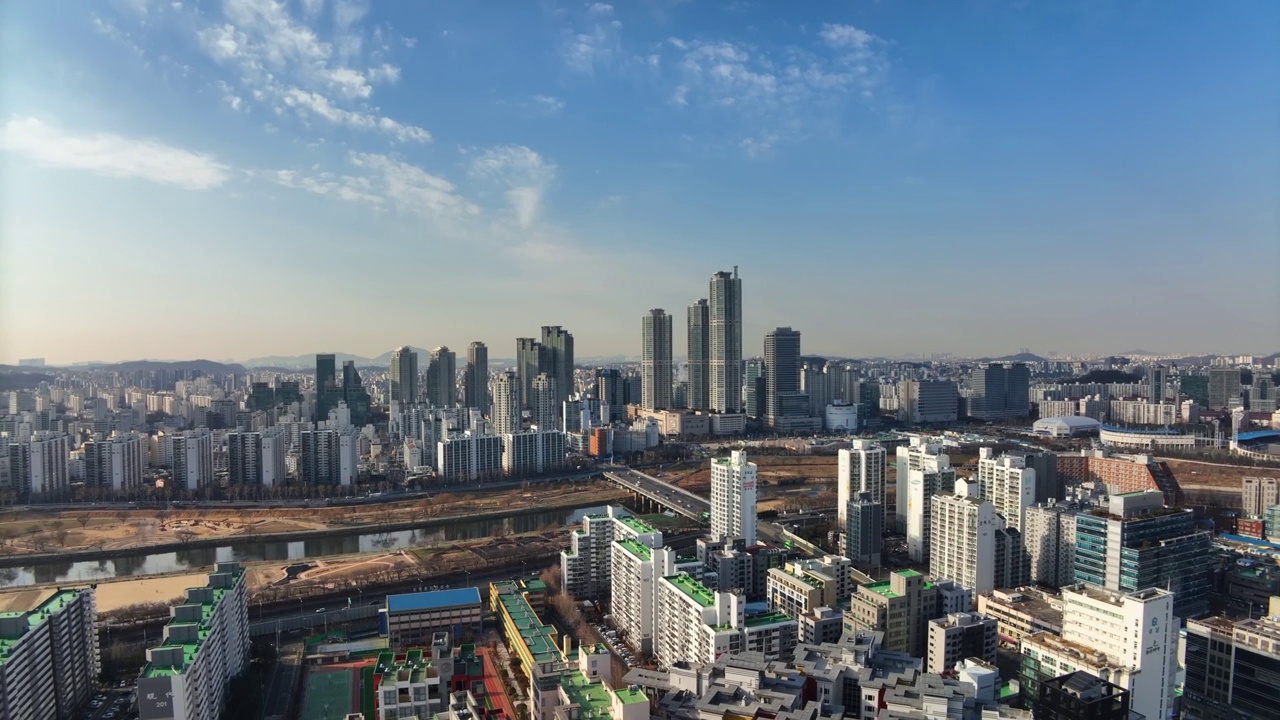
<point>846,36</point>
<point>112,155</point>
<point>524,172</point>
<point>599,9</point>
<point>107,29</point>
<point>549,104</point>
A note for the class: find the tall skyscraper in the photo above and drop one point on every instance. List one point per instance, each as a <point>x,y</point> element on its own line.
<point>404,375</point>
<point>861,468</point>
<point>442,378</point>
<point>506,403</point>
<point>1000,391</point>
<point>725,343</point>
<point>655,360</point>
<point>559,345</point>
<point>754,387</point>
<point>354,394</point>
<point>733,498</point>
<point>475,378</point>
<point>1155,382</point>
<point>786,407</point>
<point>1224,387</point>
<point>531,358</point>
<point>699,355</point>
<point>609,389</point>
<point>543,406</point>
<point>328,393</point>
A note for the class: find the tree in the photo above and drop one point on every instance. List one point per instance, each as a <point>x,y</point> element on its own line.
<point>83,520</point>
<point>184,535</point>
<point>61,535</point>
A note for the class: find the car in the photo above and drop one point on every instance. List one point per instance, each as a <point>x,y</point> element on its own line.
<point>320,610</point>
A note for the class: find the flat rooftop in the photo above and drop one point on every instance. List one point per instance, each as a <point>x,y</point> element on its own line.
<point>638,525</point>
<point>694,589</point>
<point>433,599</point>
<point>636,549</point>
<point>769,618</point>
<point>882,588</point>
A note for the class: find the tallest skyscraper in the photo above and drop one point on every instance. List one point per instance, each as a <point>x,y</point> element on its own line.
<point>725,344</point>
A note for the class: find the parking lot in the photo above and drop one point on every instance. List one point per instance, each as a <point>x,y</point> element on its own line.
<point>112,704</point>
<point>618,647</point>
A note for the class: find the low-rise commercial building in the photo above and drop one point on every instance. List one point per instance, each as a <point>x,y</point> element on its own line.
<point>412,619</point>
<point>1022,612</point>
<point>900,607</point>
<point>960,636</point>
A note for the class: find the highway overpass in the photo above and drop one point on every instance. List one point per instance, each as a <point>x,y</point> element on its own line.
<point>658,494</point>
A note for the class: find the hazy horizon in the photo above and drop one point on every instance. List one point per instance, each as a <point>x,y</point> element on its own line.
<point>251,178</point>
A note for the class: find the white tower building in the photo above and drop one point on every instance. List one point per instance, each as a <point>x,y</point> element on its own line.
<point>861,469</point>
<point>733,498</point>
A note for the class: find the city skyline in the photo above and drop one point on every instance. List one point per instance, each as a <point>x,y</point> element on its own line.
<point>259,174</point>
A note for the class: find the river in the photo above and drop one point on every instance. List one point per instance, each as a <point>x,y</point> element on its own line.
<point>356,542</point>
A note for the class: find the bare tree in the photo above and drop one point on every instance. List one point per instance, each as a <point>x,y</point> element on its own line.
<point>184,535</point>
<point>61,536</point>
<point>83,520</point>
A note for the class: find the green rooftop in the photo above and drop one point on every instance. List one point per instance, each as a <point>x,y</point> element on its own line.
<point>637,549</point>
<point>36,617</point>
<point>882,588</point>
<point>693,589</point>
<point>909,573</point>
<point>191,645</point>
<point>767,618</point>
<point>638,525</point>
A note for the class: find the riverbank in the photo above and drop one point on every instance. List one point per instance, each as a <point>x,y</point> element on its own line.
<point>331,525</point>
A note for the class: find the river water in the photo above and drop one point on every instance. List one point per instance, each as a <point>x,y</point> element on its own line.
<point>136,565</point>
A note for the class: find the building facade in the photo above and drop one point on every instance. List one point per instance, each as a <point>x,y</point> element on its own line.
<point>403,376</point>
<point>959,636</point>
<point>655,360</point>
<point>733,497</point>
<point>725,343</point>
<point>49,656</point>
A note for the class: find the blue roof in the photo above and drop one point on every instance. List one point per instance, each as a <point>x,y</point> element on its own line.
<point>433,599</point>
<point>1257,435</point>
<point>1143,431</point>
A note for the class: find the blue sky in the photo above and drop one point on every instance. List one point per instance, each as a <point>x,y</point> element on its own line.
<point>249,177</point>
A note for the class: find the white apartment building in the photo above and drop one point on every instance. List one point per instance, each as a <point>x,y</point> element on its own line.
<point>192,459</point>
<point>116,462</point>
<point>532,453</point>
<point>733,498</point>
<point>861,468</point>
<point>469,456</point>
<point>924,471</point>
<point>329,456</point>
<point>585,568</point>
<point>635,571</point>
<point>48,656</point>
<point>1259,493</point>
<point>1129,639</point>
<point>963,532</point>
<point>1049,532</point>
<point>206,644</point>
<point>1007,483</point>
<point>694,623</point>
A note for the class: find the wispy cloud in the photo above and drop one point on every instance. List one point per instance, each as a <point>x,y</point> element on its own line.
<point>594,45</point>
<point>112,155</point>
<point>524,173</point>
<point>548,103</point>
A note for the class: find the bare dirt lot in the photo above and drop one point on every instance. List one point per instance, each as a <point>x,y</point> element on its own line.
<point>52,531</point>
<point>1191,474</point>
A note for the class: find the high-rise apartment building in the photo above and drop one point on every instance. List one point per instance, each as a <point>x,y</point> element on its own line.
<point>863,530</point>
<point>205,646</point>
<point>963,539</point>
<point>1262,393</point>
<point>257,458</point>
<point>655,360</point>
<point>1257,494</point>
<point>468,457</point>
<point>733,498</point>
<point>1137,543</point>
<point>404,375</point>
<point>861,468</point>
<point>505,415</point>
<point>786,407</point>
<point>1153,385</point>
<point>442,378</point>
<point>559,355</point>
<point>699,355</point>
<point>328,456</point>
<point>1007,483</point>
<point>634,575</point>
<point>585,567</point>
<point>900,607</point>
<point>543,406</point>
<point>725,342</point>
<point>694,623</point>
<point>923,471</point>
<point>116,462</point>
<point>1000,391</point>
<point>1224,388</point>
<point>532,453</point>
<point>475,377</point>
<point>960,636</point>
<point>531,360</point>
<point>192,459</point>
<point>1049,531</point>
<point>49,655</point>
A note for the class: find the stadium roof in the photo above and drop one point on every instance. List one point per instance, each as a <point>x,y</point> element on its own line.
<point>1075,421</point>
<point>1258,435</point>
<point>433,599</point>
